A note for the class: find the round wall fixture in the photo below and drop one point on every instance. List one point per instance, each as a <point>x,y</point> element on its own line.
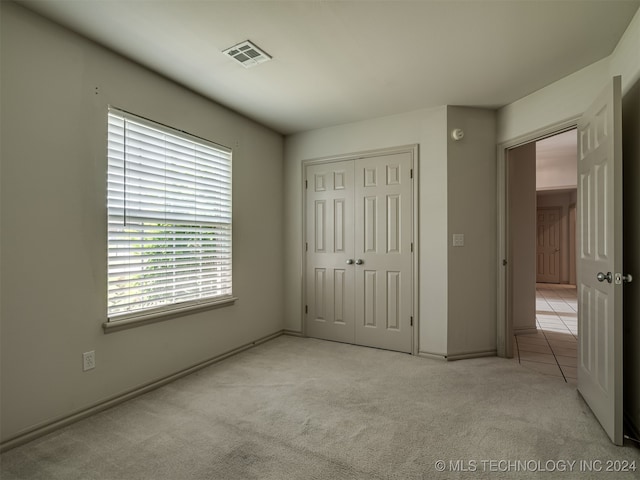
<point>457,134</point>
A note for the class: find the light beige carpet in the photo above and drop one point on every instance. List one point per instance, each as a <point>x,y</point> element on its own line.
<point>297,408</point>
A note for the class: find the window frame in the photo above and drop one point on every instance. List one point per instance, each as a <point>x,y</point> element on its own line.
<point>215,225</point>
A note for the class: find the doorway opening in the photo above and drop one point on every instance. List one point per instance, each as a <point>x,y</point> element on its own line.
<point>542,297</point>
<point>600,277</point>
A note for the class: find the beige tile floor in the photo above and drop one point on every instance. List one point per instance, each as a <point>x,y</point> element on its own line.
<point>552,350</point>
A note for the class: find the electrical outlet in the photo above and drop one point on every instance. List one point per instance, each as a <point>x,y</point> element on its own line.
<point>88,360</point>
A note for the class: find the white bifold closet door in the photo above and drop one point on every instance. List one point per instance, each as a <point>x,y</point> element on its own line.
<point>359,278</point>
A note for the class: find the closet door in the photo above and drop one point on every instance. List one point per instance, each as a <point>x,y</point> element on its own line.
<point>383,252</point>
<point>329,251</point>
<point>358,274</point>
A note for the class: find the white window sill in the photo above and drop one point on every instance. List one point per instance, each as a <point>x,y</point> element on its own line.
<point>116,325</point>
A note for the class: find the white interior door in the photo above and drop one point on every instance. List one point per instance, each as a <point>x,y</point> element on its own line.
<point>548,245</point>
<point>329,245</point>
<point>383,243</point>
<point>599,227</point>
<point>359,260</point>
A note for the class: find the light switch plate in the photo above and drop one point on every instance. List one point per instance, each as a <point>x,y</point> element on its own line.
<point>458,239</point>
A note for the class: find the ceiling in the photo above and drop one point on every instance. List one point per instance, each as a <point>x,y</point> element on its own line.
<point>341,61</point>
<point>557,162</point>
<point>558,148</point>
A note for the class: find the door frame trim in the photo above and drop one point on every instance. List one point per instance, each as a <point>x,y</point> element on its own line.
<point>572,240</point>
<point>412,149</point>
<point>504,323</point>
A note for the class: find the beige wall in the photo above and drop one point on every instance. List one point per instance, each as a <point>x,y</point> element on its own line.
<point>521,165</point>
<point>564,99</point>
<point>471,210</point>
<point>567,98</point>
<point>54,94</point>
<point>450,280</point>
<point>424,127</point>
<point>625,59</point>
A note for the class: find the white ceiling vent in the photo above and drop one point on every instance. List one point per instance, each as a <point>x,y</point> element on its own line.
<point>247,54</point>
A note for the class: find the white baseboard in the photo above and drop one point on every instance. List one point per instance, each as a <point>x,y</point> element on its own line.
<point>293,333</point>
<point>458,356</point>
<point>55,424</point>
<point>434,356</point>
<point>463,356</point>
<point>524,331</point>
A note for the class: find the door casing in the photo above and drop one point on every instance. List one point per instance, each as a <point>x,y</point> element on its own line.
<point>572,243</point>
<point>414,151</point>
<point>504,325</point>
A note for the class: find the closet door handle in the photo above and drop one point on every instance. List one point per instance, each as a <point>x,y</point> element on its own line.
<point>359,261</point>
<point>350,261</point>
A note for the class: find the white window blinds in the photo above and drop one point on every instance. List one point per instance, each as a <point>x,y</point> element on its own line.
<point>169,218</point>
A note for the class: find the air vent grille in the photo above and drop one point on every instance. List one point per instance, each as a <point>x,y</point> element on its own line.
<point>247,54</point>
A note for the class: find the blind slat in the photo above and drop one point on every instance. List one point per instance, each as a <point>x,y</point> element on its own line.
<point>169,216</point>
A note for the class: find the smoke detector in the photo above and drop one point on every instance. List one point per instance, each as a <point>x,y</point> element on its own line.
<point>247,54</point>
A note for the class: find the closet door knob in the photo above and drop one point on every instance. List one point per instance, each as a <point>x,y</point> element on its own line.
<point>359,261</point>
<point>350,261</point>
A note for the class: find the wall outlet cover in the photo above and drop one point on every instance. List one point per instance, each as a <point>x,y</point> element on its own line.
<point>458,239</point>
<point>88,360</point>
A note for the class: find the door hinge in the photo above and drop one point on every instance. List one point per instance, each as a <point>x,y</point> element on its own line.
<point>306,184</point>
<point>306,309</point>
<point>411,247</point>
<point>306,246</point>
<point>411,321</point>
<point>411,173</point>
<point>504,263</point>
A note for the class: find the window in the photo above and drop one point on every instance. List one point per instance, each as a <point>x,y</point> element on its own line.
<point>169,219</point>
